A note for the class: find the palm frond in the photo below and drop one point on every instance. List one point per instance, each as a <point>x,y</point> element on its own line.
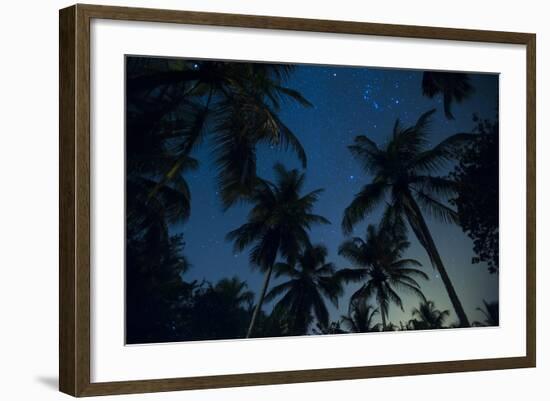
<point>277,290</point>
<point>245,235</point>
<point>353,251</point>
<point>294,95</point>
<point>423,123</point>
<point>363,203</point>
<point>351,275</point>
<point>437,157</point>
<point>436,209</point>
<point>319,308</point>
<point>367,153</point>
<point>436,187</point>
<point>285,269</point>
<point>287,139</point>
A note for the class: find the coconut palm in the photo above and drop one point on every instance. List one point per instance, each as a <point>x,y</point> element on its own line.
<point>403,182</point>
<point>379,266</point>
<point>310,283</point>
<point>174,105</point>
<point>490,311</point>
<point>360,317</point>
<point>234,292</point>
<point>426,316</point>
<point>454,87</point>
<point>277,225</point>
<point>152,204</point>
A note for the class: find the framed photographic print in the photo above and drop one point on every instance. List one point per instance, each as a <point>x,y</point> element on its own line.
<point>250,200</point>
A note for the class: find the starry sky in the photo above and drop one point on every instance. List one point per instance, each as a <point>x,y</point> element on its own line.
<point>347,101</point>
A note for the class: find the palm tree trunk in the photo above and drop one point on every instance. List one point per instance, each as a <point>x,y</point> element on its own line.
<point>430,247</point>
<point>383,320</point>
<point>260,301</point>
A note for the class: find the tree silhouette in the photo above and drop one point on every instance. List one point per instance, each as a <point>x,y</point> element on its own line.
<point>402,180</point>
<point>476,200</point>
<point>278,224</point>
<point>491,312</point>
<point>360,317</point>
<point>303,295</point>
<point>454,87</point>
<point>174,105</point>
<point>215,311</point>
<point>426,317</point>
<point>154,266</point>
<point>378,264</point>
<point>235,292</point>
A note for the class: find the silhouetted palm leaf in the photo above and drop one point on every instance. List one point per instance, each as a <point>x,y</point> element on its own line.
<point>491,312</point>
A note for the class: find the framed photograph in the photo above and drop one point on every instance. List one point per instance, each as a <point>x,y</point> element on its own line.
<point>250,200</point>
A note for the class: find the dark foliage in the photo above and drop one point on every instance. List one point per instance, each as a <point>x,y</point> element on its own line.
<point>213,312</point>
<point>153,287</point>
<point>360,317</point>
<point>477,175</point>
<point>490,311</point>
<point>174,106</point>
<point>188,311</point>
<point>453,86</point>
<point>428,317</point>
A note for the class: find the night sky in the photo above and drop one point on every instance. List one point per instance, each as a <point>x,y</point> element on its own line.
<point>348,101</point>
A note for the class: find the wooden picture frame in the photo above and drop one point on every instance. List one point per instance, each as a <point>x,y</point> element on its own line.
<point>74,204</point>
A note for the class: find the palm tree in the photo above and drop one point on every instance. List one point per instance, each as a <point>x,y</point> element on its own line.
<point>455,87</point>
<point>174,105</point>
<point>426,316</point>
<point>278,224</point>
<point>234,292</point>
<point>491,312</point>
<point>360,317</point>
<point>153,203</point>
<point>402,181</point>
<point>379,266</point>
<point>310,283</point>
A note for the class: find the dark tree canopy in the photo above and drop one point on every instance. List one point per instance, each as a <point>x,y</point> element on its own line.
<point>477,197</point>
<point>454,87</point>
<point>428,317</point>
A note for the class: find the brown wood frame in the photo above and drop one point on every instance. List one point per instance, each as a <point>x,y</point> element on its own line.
<point>74,200</point>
